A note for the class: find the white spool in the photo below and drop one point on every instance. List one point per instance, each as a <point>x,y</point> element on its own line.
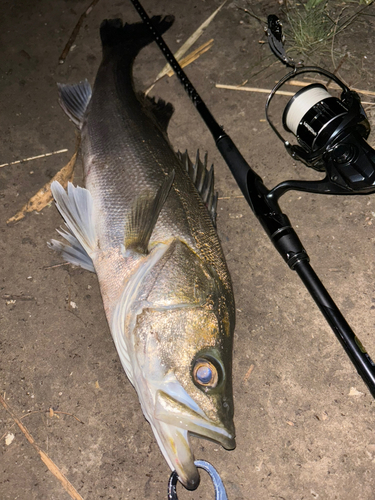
<point>301,104</point>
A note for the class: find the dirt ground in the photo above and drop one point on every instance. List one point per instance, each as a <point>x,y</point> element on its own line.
<point>304,418</point>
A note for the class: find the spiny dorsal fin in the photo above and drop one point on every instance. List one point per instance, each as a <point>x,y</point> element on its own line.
<point>161,110</point>
<point>143,216</point>
<point>74,100</point>
<point>203,180</point>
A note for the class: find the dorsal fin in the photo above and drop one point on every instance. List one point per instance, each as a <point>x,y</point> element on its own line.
<point>161,110</point>
<point>74,100</point>
<point>142,217</point>
<point>203,180</point>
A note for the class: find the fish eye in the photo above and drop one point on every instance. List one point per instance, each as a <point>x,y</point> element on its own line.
<point>205,373</point>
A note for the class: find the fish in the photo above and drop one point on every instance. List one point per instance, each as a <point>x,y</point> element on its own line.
<point>144,222</point>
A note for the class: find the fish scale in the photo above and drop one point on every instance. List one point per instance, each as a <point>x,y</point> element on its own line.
<point>140,223</point>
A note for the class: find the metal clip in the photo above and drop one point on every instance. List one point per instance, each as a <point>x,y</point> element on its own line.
<point>220,493</point>
<point>276,40</point>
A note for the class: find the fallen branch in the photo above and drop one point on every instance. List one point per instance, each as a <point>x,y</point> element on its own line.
<point>75,32</point>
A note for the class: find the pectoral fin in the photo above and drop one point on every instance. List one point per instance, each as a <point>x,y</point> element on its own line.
<point>74,252</point>
<point>76,208</point>
<point>142,218</point>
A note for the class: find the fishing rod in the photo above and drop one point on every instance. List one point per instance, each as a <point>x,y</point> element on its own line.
<point>331,135</point>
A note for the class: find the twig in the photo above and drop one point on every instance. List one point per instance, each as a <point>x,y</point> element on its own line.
<point>299,83</point>
<point>263,22</point>
<point>193,56</point>
<point>8,296</point>
<point>248,373</point>
<point>336,68</point>
<point>186,46</point>
<point>341,62</point>
<point>185,61</point>
<point>52,467</point>
<point>57,265</point>
<point>230,197</point>
<point>353,17</point>
<point>34,158</point>
<point>252,89</point>
<point>75,32</point>
<point>65,413</point>
<point>51,413</point>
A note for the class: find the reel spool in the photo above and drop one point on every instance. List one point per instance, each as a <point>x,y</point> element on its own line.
<point>331,134</point>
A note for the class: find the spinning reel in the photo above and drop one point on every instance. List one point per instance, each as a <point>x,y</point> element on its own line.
<point>331,132</point>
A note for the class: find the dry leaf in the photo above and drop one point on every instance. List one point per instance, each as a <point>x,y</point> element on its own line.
<point>44,195</point>
<point>353,392</point>
<point>9,438</point>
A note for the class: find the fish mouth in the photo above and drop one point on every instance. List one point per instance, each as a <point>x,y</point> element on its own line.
<point>175,421</point>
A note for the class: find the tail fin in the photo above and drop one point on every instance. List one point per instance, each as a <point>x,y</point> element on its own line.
<point>131,37</point>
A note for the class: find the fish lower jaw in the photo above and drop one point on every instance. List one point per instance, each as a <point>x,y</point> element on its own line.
<point>171,412</point>
<point>174,445</point>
